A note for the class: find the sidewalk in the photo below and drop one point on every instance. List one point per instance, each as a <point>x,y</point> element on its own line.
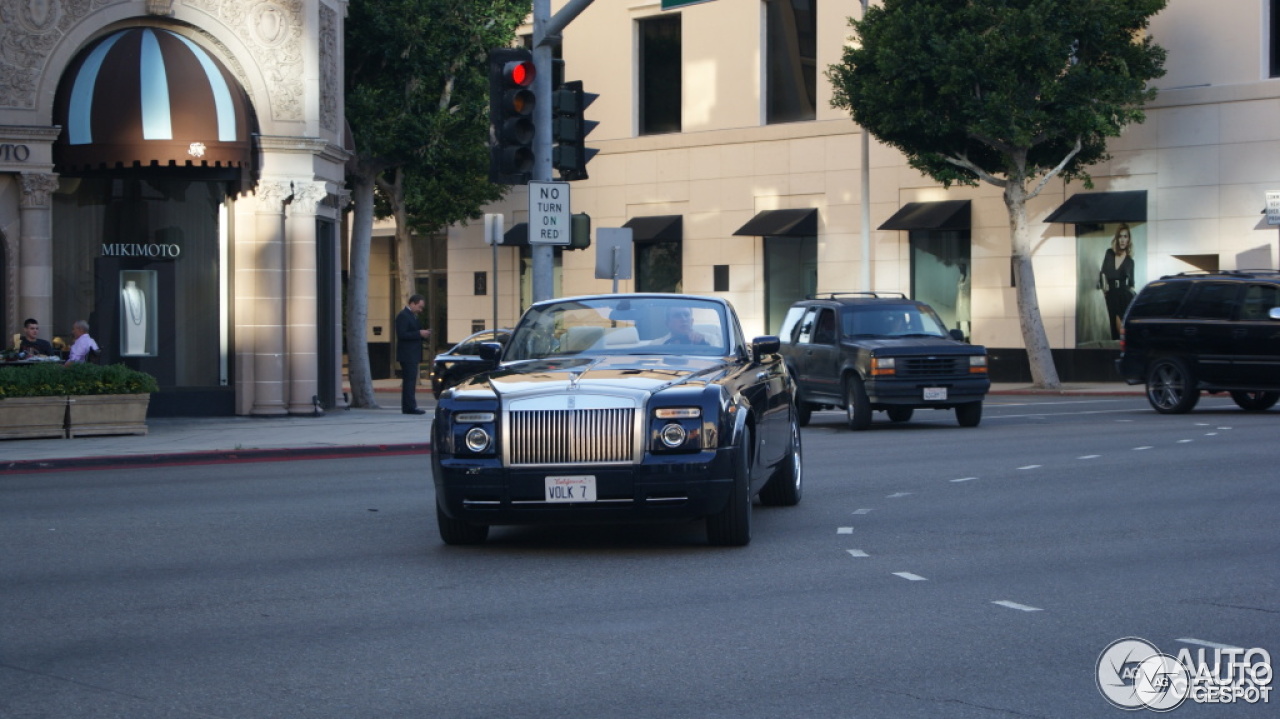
<point>339,432</point>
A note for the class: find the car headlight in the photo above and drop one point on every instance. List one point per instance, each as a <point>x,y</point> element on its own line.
<point>882,366</point>
<point>676,429</point>
<point>478,439</point>
<point>472,433</point>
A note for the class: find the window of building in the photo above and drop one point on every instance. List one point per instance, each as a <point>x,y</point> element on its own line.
<point>1273,38</point>
<point>659,267</point>
<point>941,274</point>
<point>791,63</point>
<point>660,75</point>
<point>790,274</point>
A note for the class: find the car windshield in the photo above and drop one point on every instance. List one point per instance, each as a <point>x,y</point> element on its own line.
<point>895,321</point>
<point>621,325</point>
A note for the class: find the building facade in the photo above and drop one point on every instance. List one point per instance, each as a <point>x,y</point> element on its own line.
<point>720,149</point>
<point>171,171</point>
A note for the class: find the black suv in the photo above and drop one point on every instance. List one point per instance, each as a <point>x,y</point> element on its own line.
<point>867,351</point>
<point>1216,332</point>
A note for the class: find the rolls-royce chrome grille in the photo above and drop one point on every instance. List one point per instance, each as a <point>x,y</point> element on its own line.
<point>571,436</point>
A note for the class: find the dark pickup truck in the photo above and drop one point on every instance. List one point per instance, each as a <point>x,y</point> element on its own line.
<point>868,351</point>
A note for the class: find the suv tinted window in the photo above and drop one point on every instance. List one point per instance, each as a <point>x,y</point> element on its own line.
<point>1258,301</point>
<point>1212,301</point>
<point>1159,299</point>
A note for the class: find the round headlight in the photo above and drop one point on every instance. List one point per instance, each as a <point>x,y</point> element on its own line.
<point>477,439</point>
<point>673,435</point>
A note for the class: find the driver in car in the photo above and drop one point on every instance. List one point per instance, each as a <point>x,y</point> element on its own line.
<point>680,328</point>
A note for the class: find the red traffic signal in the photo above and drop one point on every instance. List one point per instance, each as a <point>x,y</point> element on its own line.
<point>511,103</point>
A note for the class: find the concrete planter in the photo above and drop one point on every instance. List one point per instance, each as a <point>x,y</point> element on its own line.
<point>33,417</point>
<point>99,414</point>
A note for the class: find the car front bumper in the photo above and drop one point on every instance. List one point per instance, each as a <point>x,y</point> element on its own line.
<point>662,488</point>
<point>911,392</point>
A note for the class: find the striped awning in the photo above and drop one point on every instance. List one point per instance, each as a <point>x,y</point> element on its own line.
<point>149,97</point>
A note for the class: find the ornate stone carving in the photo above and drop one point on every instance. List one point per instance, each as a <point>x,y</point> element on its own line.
<point>273,31</point>
<point>163,8</point>
<point>29,30</point>
<point>306,195</point>
<point>329,72</point>
<point>36,189</point>
<point>270,196</point>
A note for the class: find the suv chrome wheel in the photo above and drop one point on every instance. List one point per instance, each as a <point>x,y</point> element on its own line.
<point>1171,387</point>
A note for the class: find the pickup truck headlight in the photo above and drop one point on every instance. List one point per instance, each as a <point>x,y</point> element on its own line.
<point>883,366</point>
<point>978,364</point>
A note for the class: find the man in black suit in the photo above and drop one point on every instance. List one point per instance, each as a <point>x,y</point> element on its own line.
<point>409,337</point>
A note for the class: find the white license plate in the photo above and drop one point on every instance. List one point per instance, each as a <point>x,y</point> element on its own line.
<point>571,489</point>
<point>935,393</point>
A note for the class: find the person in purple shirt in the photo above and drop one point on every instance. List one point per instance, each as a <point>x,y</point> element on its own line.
<point>83,345</point>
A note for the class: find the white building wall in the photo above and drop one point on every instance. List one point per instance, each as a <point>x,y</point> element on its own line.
<point>1207,153</point>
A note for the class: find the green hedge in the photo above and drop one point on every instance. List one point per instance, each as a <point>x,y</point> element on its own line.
<point>53,380</point>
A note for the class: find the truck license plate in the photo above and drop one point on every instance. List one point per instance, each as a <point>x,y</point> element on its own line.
<point>571,489</point>
<point>935,393</point>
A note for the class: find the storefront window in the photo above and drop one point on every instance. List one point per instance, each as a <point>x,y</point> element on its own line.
<point>138,258</point>
<point>791,274</point>
<point>1109,270</point>
<point>942,274</point>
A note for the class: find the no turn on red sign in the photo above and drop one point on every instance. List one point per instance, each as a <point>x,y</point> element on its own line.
<point>549,217</point>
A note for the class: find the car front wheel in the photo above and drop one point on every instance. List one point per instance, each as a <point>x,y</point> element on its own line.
<point>455,531</point>
<point>857,407</point>
<point>731,526</point>
<point>1255,401</point>
<point>1171,387</point>
<point>786,485</point>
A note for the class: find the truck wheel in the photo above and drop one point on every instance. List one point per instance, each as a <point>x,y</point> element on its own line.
<point>857,407</point>
<point>900,414</point>
<point>1255,401</point>
<point>804,412</point>
<point>969,414</point>
<point>1171,387</point>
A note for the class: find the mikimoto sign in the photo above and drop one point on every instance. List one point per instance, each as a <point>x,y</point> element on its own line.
<point>549,217</point>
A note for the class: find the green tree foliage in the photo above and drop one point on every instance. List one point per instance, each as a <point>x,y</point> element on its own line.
<point>1010,92</point>
<point>417,105</point>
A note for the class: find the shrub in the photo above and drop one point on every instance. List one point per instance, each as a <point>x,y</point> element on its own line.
<point>53,380</point>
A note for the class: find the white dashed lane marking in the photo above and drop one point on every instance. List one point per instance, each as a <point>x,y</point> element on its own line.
<point>861,511</point>
<point>964,479</point>
<point>1090,456</point>
<point>899,495</point>
<point>1139,449</point>
<point>856,553</point>
<point>844,530</point>
<point>909,576</point>
<point>1015,605</point>
<point>1030,466</point>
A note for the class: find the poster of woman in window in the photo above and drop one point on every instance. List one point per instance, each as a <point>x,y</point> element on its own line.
<point>1110,271</point>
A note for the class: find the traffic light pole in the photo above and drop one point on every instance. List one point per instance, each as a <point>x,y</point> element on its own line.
<point>546,33</point>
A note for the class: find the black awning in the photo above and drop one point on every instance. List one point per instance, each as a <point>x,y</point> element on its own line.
<point>517,236</point>
<point>945,215</point>
<point>782,223</point>
<point>656,228</point>
<point>1102,207</point>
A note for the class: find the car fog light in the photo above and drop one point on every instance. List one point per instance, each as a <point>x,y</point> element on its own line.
<point>673,435</point>
<point>477,439</point>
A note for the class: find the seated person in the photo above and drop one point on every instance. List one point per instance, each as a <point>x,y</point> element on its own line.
<point>680,329</point>
<point>31,344</point>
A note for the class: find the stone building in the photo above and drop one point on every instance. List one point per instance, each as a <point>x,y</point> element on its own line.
<point>720,149</point>
<point>171,171</point>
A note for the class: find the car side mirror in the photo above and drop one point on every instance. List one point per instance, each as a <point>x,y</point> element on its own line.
<point>490,351</point>
<point>957,335</point>
<point>766,345</point>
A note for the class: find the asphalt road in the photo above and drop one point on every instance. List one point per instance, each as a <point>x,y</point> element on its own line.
<point>930,571</point>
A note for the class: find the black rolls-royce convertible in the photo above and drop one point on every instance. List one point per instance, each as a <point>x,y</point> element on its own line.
<point>619,408</point>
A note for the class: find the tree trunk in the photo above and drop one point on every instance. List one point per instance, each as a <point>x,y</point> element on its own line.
<point>358,374</point>
<point>1043,372</point>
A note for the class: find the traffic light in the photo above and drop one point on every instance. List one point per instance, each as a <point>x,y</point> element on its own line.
<point>580,231</point>
<point>511,103</point>
<point>569,130</point>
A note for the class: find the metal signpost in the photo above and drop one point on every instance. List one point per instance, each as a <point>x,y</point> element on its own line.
<point>493,237</point>
<point>613,254</point>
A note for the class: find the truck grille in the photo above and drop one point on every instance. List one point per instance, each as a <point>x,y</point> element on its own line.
<point>572,436</point>
<point>932,366</point>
